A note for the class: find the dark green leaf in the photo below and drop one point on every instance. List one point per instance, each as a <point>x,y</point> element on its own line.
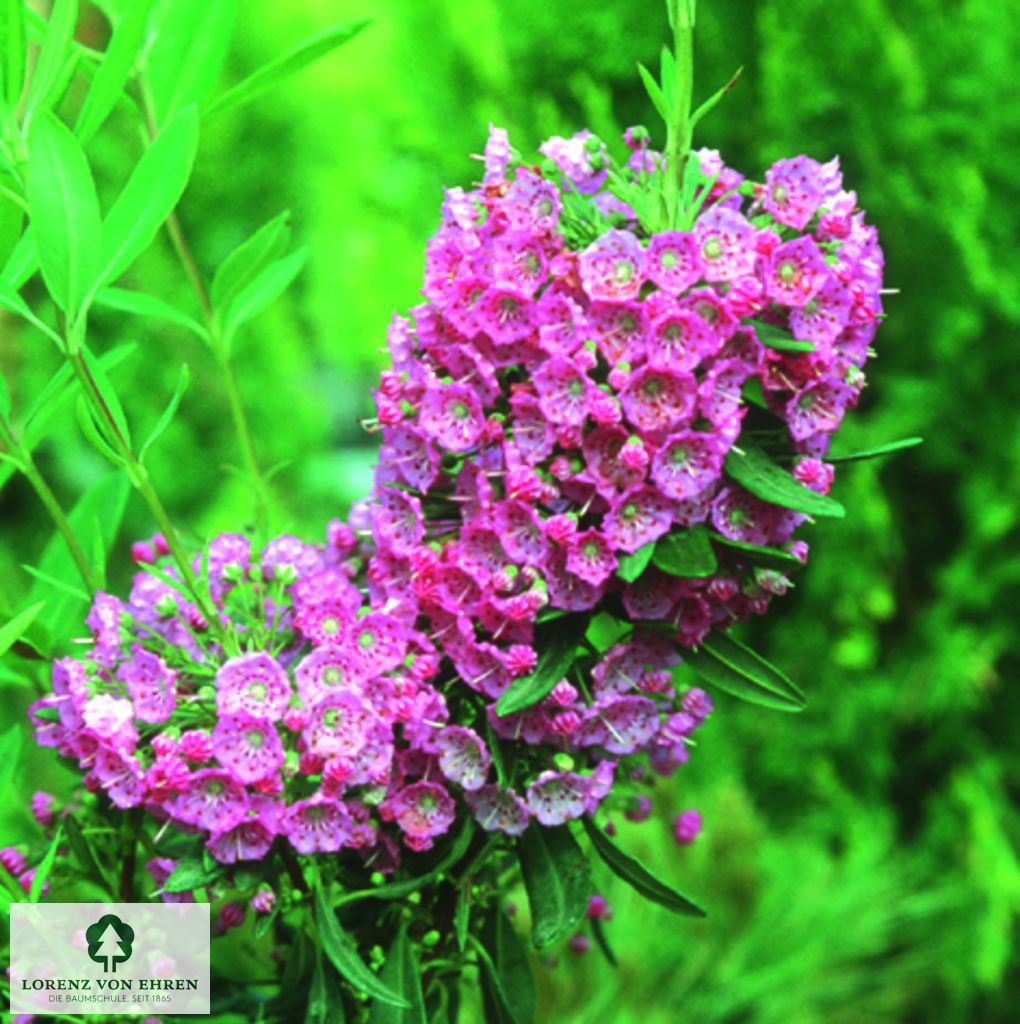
<point>732,666</point>
<point>768,558</point>
<point>557,879</point>
<point>687,553</point>
<point>249,259</point>
<point>602,942</point>
<point>264,289</point>
<point>637,876</point>
<point>268,77</point>
<point>168,412</point>
<point>10,755</point>
<point>140,304</point>
<point>630,567</point>
<point>557,647</point>
<point>325,1004</point>
<point>462,915</point>
<point>400,972</point>
<point>83,853</point>
<point>64,212</point>
<point>757,473</point>
<point>779,338</point>
<point>12,50</point>
<point>42,872</point>
<point>189,45</point>
<point>508,984</point>
<point>50,68</point>
<point>118,62</point>
<point>149,197</point>
<point>191,873</point>
<point>878,451</point>
<point>18,626</point>
<point>264,922</point>
<point>344,955</point>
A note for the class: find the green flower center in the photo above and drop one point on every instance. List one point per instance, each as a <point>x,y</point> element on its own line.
<point>669,259</point>
<point>333,718</point>
<point>214,787</point>
<point>366,640</point>
<point>623,271</point>
<point>576,388</point>
<point>712,249</point>
<point>256,740</point>
<point>653,388</point>
<point>330,626</point>
<point>680,455</point>
<point>258,691</point>
<point>331,676</point>
<point>459,411</point>
<point>788,273</point>
<point>779,194</point>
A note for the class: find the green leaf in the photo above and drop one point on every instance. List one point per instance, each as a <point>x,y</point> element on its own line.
<point>108,394</point>
<point>84,854</point>
<point>557,879</point>
<point>168,412</point>
<point>191,873</point>
<point>557,646</point>
<point>95,432</point>
<point>779,338</point>
<point>755,554</point>
<point>12,51</point>
<point>630,567</point>
<point>637,876</point>
<point>268,77</point>
<point>64,212</point>
<point>10,755</point>
<point>401,973</point>
<point>325,1003</point>
<point>344,955</point>
<point>57,49</point>
<point>757,473</point>
<point>508,984</point>
<point>709,105</point>
<point>118,62</point>
<point>189,45</point>
<point>22,262</point>
<point>12,223</point>
<point>248,260</point>
<point>42,872</point>
<point>654,92</point>
<point>603,943</point>
<point>140,304</point>
<point>149,197</point>
<point>266,287</point>
<point>733,667</point>
<point>687,553</point>
<point>18,626</point>
<point>5,398</point>
<point>878,451</point>
<point>95,519</point>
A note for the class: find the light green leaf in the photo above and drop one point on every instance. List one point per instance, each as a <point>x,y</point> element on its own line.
<point>557,646</point>
<point>401,973</point>
<point>21,264</point>
<point>266,287</point>
<point>12,223</point>
<point>64,212</point>
<point>779,338</point>
<point>140,304</point>
<point>733,667</point>
<point>686,553</point>
<point>757,473</point>
<point>878,451</point>
<point>654,92</point>
<point>42,872</point>
<point>108,394</point>
<point>51,67</point>
<point>557,879</point>
<point>5,398</point>
<point>191,873</point>
<point>150,195</point>
<point>95,432</point>
<point>710,104</point>
<point>268,77</point>
<point>248,260</point>
<point>16,628</point>
<point>630,567</point>
<point>118,62</point>
<point>10,755</point>
<point>12,50</point>
<point>168,412</point>
<point>637,876</point>
<point>189,44</point>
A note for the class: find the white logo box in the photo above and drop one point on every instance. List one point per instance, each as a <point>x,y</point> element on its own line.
<point>109,958</point>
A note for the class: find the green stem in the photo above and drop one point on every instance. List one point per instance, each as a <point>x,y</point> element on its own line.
<point>26,464</point>
<point>678,132</point>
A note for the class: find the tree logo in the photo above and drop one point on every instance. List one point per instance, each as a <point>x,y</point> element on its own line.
<point>109,942</point>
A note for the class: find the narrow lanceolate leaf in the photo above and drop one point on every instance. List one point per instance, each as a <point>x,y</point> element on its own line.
<point>401,973</point>
<point>557,879</point>
<point>249,259</point>
<point>779,338</point>
<point>757,473</point>
<point>118,62</point>
<point>686,553</point>
<point>10,753</point>
<point>264,289</point>
<point>5,397</point>
<point>654,92</point>
<point>14,630</point>
<point>755,554</point>
<point>83,852</point>
<point>268,77</point>
<point>557,646</point>
<point>191,873</point>
<point>42,872</point>
<point>732,666</point>
<point>168,412</point>
<point>710,104</point>
<point>12,50</point>
<point>64,212</point>
<point>12,223</point>
<point>56,50</point>
<point>325,1004</point>
<point>140,304</point>
<point>637,876</point>
<point>190,40</point>
<point>630,567</point>
<point>878,451</point>
<point>149,197</point>
<point>344,956</point>
<point>508,983</point>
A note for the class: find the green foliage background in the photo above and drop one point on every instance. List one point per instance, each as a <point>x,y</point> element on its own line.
<point>860,860</point>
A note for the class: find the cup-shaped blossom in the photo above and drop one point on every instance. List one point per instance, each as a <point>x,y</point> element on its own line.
<point>255,683</point>
<point>246,746</point>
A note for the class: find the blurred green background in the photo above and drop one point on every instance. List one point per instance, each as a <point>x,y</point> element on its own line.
<point>859,860</point>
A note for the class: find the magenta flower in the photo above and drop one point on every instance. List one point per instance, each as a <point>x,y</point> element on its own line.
<point>150,685</point>
<point>498,810</point>
<point>338,725</point>
<point>248,839</point>
<point>463,757</point>
<point>452,415</point>
<point>562,391</point>
<point>556,797</point>
<point>317,825</point>
<point>590,557</point>
<point>214,799</point>
<point>423,811</point>
<point>794,189</point>
<point>687,464</point>
<point>657,398</point>
<point>796,271</point>
<point>726,244</point>
<point>636,518</point>
<point>612,267</point>
<point>253,683</point>
<point>247,746</point>
<point>673,261</point>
